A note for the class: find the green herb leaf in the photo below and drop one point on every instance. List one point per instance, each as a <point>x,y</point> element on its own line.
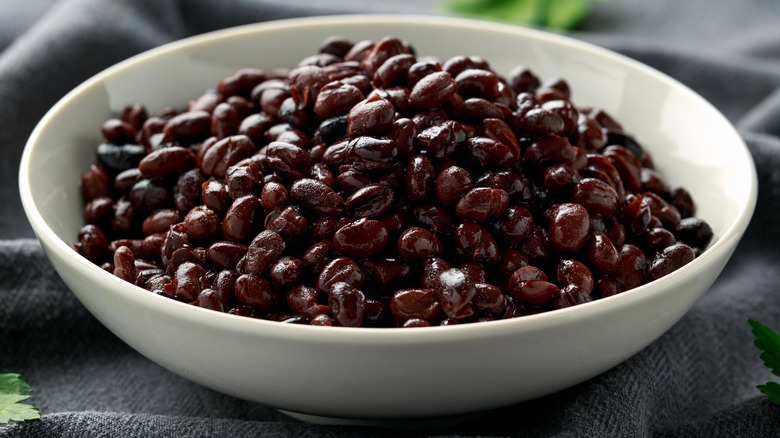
<point>553,14</point>
<point>769,342</point>
<point>13,390</point>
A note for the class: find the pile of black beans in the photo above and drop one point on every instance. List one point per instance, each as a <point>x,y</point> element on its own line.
<point>368,186</point>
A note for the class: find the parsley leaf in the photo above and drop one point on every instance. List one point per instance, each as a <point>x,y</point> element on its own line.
<point>553,14</point>
<point>769,343</point>
<point>12,391</point>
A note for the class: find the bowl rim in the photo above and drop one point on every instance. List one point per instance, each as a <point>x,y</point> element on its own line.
<point>372,335</point>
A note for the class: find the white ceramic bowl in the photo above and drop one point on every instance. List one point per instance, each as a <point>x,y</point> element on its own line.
<point>392,373</point>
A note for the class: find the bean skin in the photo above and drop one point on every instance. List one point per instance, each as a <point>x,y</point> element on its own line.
<point>432,91</point>
<point>340,269</point>
<point>362,238</point>
<point>670,259</point>
<point>419,243</point>
<point>476,244</point>
<point>451,183</point>
<point>347,305</point>
<point>454,291</point>
<point>420,175</point>
<point>316,196</point>
<point>569,224</point>
<point>407,304</point>
<point>241,218</point>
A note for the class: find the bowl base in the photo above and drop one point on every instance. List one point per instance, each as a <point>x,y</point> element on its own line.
<point>395,423</point>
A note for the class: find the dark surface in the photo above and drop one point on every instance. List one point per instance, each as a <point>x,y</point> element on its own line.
<point>697,380</point>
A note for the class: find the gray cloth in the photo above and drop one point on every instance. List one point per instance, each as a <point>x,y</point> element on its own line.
<point>697,380</point>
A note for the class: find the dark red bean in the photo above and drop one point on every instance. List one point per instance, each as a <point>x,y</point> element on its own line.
<point>95,183</point>
<point>475,271</point>
<point>490,153</point>
<point>419,243</point>
<point>318,255</point>
<point>569,225</point>
<point>441,139</point>
<point>498,130</point>
<point>98,209</point>
<point>288,160</point>
<point>187,192</point>
<point>225,153</point>
<point>265,248</point>
<point>432,91</point>
<point>420,175</point>
<point>476,244</point>
<point>362,238</point>
<point>669,260</point>
<point>347,304</point>
<point>479,203</point>
<point>431,268</point>
<point>601,253</point>
<point>241,82</point>
<point>596,196</point>
<point>631,267</point>
<point>117,131</point>
<point>340,269</point>
<point>489,298</point>
<point>522,80</point>
<point>575,272</point>
<point>201,223</point>
<point>539,121</point>
<point>225,121</point>
<point>389,272</point>
<point>434,218</point>
<point>371,116</point>
<point>454,291</point>
<point>548,150</point>
<point>371,153</point>
<point>571,295</point>
<point>286,272</point>
<point>511,261</point>
<point>273,196</point>
<point>627,164</point>
<point>336,98</point>
<point>451,184</point>
<point>694,232</point>
<point>288,223</point>
<point>254,291</point>
<point>149,194</point>
<point>160,221</point>
<point>394,70</point>
<point>515,223</point>
<point>189,127</point>
<point>371,201</point>
<point>215,195</point>
<point>535,291</point>
<point>189,280</point>
<point>407,304</point>
<point>241,218</point>
<point>606,286</point>
<point>124,264</point>
<point>304,300</point>
<point>636,215</point>
<point>316,196</point>
<point>225,254</point>
<point>245,178</point>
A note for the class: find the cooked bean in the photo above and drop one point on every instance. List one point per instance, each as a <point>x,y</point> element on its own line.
<point>419,243</point>
<point>347,304</point>
<point>362,238</point>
